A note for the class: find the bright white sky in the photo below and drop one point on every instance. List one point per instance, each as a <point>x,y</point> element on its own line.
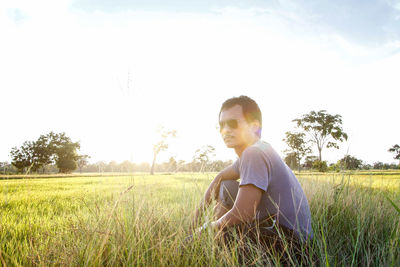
<point>65,67</point>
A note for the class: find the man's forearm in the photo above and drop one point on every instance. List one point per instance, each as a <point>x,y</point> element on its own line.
<point>244,208</point>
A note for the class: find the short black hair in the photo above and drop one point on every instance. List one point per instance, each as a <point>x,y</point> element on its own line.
<point>250,109</point>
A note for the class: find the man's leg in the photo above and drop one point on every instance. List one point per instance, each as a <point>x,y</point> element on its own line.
<point>226,197</point>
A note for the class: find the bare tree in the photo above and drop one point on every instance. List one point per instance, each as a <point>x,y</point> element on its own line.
<point>203,156</point>
<point>161,145</point>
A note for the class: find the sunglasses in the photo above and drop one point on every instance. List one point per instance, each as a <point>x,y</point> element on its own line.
<point>233,124</point>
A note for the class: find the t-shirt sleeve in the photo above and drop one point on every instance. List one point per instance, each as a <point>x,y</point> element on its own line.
<point>253,168</point>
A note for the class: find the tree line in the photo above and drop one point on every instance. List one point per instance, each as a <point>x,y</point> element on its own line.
<point>57,152</point>
<point>323,130</point>
<point>172,165</point>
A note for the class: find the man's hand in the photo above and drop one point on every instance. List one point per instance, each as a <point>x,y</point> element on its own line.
<point>198,232</point>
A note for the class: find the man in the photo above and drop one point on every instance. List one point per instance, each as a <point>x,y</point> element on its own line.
<point>268,194</point>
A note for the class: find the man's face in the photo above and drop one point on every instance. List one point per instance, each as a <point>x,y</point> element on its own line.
<point>235,130</point>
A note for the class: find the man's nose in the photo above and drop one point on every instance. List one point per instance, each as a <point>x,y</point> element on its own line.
<point>224,129</point>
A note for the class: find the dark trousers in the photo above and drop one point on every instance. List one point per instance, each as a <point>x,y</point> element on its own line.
<point>264,237</point>
<point>257,243</point>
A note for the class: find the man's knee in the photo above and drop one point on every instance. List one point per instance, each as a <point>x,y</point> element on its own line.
<point>227,192</point>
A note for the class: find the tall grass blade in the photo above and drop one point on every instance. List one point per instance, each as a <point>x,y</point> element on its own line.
<point>393,204</point>
<point>325,248</point>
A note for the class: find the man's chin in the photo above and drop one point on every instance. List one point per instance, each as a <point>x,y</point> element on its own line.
<point>230,144</point>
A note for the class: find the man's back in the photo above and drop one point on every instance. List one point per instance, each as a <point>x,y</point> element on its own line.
<point>282,195</point>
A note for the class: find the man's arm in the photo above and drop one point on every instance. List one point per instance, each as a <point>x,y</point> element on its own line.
<point>228,173</point>
<point>244,208</point>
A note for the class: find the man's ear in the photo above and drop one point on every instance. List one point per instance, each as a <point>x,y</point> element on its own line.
<point>255,126</point>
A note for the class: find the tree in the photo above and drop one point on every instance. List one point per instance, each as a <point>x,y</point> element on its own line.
<point>350,163</point>
<point>48,149</point>
<point>219,165</point>
<point>4,165</point>
<point>127,166</point>
<point>298,146</point>
<point>291,160</point>
<point>378,165</point>
<point>112,166</point>
<point>396,150</point>
<point>82,161</point>
<point>21,157</point>
<point>161,145</point>
<point>366,166</point>
<point>319,165</point>
<point>323,128</point>
<point>308,162</point>
<point>65,152</point>
<point>172,164</point>
<point>101,166</point>
<point>203,156</point>
<point>32,155</point>
<point>43,152</point>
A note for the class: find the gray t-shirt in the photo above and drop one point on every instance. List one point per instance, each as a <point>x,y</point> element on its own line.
<point>282,196</point>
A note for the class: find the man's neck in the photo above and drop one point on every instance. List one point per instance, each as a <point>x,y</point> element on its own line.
<point>239,150</point>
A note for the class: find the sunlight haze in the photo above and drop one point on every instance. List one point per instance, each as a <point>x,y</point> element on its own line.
<point>109,76</point>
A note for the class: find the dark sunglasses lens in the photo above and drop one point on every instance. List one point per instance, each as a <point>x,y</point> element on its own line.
<point>233,124</point>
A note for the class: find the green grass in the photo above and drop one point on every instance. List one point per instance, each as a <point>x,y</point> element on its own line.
<point>142,220</point>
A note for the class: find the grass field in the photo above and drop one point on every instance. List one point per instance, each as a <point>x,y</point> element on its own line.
<point>142,220</point>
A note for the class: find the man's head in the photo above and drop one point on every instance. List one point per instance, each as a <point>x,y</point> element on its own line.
<point>240,121</point>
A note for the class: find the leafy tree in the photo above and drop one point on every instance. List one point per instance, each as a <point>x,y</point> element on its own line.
<point>378,165</point>
<point>292,161</point>
<point>366,166</point>
<point>48,149</point>
<point>350,163</point>
<point>319,165</point>
<point>161,145</point>
<point>308,162</point>
<point>32,155</point>
<point>22,158</point>
<point>66,164</point>
<point>298,146</point>
<point>65,152</point>
<point>43,152</point>
<point>396,150</point>
<point>323,128</point>
<point>334,167</point>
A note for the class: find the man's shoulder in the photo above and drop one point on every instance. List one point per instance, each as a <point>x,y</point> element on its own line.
<point>262,151</point>
<point>258,152</point>
<point>258,148</point>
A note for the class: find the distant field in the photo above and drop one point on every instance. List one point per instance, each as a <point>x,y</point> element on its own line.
<point>141,220</point>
